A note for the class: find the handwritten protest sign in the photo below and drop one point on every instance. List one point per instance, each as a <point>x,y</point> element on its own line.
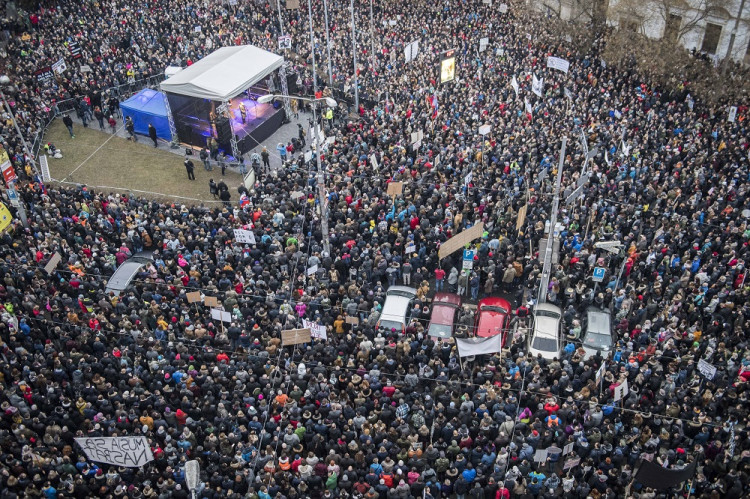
<point>194,297</point>
<point>316,330</point>
<point>211,301</point>
<point>129,452</point>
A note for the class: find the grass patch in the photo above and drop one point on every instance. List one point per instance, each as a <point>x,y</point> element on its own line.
<point>105,162</point>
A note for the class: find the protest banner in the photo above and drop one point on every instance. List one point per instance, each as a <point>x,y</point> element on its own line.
<point>350,319</point>
<point>244,236</point>
<point>59,67</point>
<point>295,336</point>
<point>537,85</point>
<point>557,63</point>
<point>459,240</point>
<point>211,301</point>
<point>316,330</point>
<point>706,369</point>
<point>128,452</point>
<point>194,297</point>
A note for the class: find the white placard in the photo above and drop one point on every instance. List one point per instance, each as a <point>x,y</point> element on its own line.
<point>374,162</point>
<point>540,455</point>
<point>528,105</point>
<point>557,63</point>
<point>243,236</point>
<point>392,22</point>
<point>410,249</point>
<point>568,449</point>
<point>308,156</point>
<point>221,315</point>
<point>316,330</point>
<point>311,271</point>
<point>621,390</point>
<point>503,8</point>
<point>706,369</point>
<point>285,42</point>
<point>537,85</point>
<point>59,67</point>
<point>197,29</point>
<point>483,42</point>
<point>85,68</point>
<point>129,452</point>
<point>732,114</point>
<point>485,129</point>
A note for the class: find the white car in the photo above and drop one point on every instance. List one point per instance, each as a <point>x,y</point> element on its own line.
<point>598,336</point>
<point>397,306</point>
<point>545,338</point>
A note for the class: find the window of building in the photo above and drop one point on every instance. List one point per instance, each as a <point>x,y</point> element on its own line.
<point>672,29</point>
<point>711,38</point>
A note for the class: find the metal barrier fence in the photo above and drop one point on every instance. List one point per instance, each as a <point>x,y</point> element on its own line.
<point>121,92</point>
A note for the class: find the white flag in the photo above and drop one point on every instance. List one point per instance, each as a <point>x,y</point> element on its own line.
<point>537,85</point>
<point>528,106</point>
<point>514,84</point>
<point>479,346</point>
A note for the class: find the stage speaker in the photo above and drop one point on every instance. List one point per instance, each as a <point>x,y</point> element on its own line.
<point>223,130</point>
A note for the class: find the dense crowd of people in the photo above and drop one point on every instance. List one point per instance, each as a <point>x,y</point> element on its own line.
<point>368,413</point>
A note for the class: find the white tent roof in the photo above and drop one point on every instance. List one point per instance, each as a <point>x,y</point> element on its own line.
<point>223,74</point>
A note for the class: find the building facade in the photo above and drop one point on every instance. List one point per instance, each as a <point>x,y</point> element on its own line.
<point>714,27</point>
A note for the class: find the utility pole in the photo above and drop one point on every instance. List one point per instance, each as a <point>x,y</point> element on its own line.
<point>547,268</point>
<point>728,56</point>
<point>15,200</point>
<point>372,39</point>
<point>321,181</point>
<point>328,43</point>
<point>354,55</point>
<point>312,46</point>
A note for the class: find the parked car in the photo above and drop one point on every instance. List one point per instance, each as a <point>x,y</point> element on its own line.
<point>597,336</point>
<point>397,306</point>
<point>492,318</point>
<point>445,307</point>
<point>127,271</point>
<point>545,338</point>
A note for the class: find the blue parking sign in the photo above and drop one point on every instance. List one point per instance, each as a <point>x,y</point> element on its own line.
<point>599,274</point>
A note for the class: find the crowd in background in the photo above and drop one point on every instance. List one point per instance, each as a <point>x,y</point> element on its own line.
<point>367,413</point>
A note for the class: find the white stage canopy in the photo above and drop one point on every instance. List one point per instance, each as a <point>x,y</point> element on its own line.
<point>223,74</point>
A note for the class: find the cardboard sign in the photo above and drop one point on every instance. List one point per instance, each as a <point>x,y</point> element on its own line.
<point>350,319</point>
<point>194,297</point>
<point>292,4</point>
<point>460,240</point>
<point>295,337</point>
<point>395,188</point>
<point>211,301</point>
<point>129,452</point>
<point>56,258</point>
<point>521,217</point>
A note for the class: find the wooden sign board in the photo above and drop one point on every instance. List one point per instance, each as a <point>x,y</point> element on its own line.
<point>458,241</point>
<point>211,301</point>
<point>395,188</point>
<point>194,297</point>
<point>521,217</point>
<point>350,319</point>
<point>295,337</point>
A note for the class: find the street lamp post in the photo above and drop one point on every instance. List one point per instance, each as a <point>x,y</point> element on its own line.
<point>354,56</point>
<point>264,99</point>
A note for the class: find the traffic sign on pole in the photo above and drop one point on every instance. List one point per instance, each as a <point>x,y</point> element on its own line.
<point>599,274</point>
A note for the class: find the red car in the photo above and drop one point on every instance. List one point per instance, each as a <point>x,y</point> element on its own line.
<point>492,318</point>
<point>444,309</point>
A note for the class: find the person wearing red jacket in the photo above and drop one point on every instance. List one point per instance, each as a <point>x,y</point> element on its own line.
<point>439,279</point>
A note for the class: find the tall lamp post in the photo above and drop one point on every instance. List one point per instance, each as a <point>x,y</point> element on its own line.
<point>13,193</point>
<point>265,99</point>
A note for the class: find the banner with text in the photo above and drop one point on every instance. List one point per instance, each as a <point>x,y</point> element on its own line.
<point>129,452</point>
